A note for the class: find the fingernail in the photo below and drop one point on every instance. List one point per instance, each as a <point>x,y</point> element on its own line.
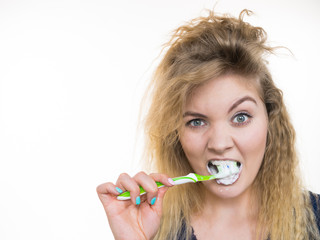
<point>153,200</point>
<point>171,181</point>
<point>138,200</point>
<point>119,190</point>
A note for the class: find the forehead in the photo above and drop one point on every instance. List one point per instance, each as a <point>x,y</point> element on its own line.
<point>224,89</point>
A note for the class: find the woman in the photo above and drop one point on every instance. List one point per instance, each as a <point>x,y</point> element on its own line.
<point>213,99</point>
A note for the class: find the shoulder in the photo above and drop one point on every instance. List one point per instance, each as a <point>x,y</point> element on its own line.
<point>315,202</point>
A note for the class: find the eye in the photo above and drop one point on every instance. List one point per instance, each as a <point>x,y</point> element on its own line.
<point>241,118</point>
<point>196,123</point>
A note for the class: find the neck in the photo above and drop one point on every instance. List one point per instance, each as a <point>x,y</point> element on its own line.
<point>238,214</point>
<point>240,208</point>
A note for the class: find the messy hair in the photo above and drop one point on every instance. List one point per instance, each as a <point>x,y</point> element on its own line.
<point>203,49</point>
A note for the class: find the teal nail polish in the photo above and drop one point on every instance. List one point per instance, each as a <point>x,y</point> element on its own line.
<point>138,200</point>
<point>119,190</point>
<point>153,200</point>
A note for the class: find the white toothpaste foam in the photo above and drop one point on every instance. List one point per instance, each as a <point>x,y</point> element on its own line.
<point>230,171</point>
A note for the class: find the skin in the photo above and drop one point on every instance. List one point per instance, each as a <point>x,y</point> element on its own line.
<point>225,119</point>
<point>216,127</point>
<point>136,220</point>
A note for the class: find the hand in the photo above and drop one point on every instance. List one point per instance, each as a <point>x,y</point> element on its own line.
<point>139,217</point>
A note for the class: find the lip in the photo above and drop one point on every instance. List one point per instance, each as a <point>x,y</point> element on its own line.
<point>223,159</point>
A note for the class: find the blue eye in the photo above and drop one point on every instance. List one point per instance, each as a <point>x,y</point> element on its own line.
<point>196,123</point>
<point>241,118</point>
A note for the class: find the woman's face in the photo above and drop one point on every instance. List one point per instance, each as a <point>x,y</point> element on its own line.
<point>225,119</point>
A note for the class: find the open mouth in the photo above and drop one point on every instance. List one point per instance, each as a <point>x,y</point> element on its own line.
<point>228,169</point>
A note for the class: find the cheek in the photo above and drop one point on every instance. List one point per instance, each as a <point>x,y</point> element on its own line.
<point>192,144</point>
<point>253,143</point>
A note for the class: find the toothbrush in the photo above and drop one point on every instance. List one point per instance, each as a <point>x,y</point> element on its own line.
<point>223,171</point>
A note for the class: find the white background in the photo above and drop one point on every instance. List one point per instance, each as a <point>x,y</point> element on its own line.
<point>72,74</point>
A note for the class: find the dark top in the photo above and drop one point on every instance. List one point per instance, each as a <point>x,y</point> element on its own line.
<point>315,201</point>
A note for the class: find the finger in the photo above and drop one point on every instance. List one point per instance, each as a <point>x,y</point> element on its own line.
<point>149,185</point>
<point>106,192</point>
<point>107,188</point>
<point>157,207</point>
<point>163,178</point>
<point>127,183</point>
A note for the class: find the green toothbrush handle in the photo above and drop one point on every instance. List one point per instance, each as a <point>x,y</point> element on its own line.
<point>177,181</point>
<point>126,195</point>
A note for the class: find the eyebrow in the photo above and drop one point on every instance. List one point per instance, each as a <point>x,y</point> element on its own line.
<point>234,105</point>
<point>194,114</point>
<point>241,100</point>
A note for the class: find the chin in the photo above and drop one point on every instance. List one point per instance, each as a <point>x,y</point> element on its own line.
<point>226,191</point>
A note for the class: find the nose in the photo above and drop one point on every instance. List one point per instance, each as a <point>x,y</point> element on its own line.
<point>220,139</point>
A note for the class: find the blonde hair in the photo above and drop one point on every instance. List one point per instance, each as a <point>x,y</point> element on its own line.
<point>203,49</point>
